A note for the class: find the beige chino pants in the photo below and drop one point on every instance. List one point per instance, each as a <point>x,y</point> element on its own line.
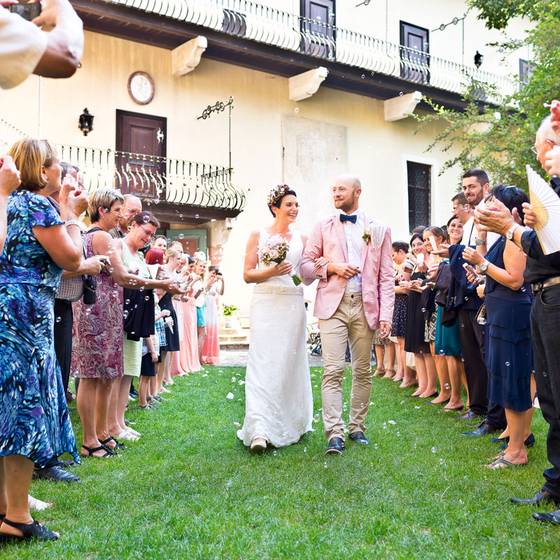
<point>348,324</point>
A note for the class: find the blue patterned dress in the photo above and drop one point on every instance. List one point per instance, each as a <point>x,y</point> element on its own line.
<point>34,418</point>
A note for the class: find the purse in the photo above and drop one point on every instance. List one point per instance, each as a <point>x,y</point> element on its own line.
<point>89,296</point>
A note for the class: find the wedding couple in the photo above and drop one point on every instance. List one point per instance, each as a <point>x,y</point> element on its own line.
<point>350,254</point>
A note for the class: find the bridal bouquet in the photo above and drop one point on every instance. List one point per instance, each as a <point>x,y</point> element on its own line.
<point>276,251</point>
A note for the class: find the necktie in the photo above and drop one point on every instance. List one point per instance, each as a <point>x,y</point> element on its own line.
<point>347,218</point>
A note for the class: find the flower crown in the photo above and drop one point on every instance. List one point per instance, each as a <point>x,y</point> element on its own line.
<point>277,193</point>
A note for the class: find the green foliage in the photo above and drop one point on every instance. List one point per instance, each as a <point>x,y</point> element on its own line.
<point>229,310</point>
<point>499,138</point>
<point>189,490</point>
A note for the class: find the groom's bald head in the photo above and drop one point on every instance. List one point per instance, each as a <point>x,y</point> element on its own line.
<point>346,190</point>
<point>349,180</point>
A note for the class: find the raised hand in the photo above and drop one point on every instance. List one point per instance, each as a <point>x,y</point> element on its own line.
<point>9,176</point>
<point>530,216</point>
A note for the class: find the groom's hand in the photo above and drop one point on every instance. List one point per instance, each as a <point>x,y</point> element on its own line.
<point>344,270</point>
<point>384,329</point>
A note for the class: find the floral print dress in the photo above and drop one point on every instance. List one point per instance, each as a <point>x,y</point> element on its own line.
<point>34,418</point>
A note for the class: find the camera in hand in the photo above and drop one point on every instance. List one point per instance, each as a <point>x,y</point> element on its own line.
<point>27,10</point>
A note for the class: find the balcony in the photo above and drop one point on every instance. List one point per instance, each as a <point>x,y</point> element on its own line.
<point>175,189</point>
<point>372,58</point>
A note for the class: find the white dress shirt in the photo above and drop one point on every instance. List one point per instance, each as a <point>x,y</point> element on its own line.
<point>470,234</point>
<point>354,246</point>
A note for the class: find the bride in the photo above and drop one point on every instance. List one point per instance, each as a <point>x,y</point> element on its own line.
<point>278,398</point>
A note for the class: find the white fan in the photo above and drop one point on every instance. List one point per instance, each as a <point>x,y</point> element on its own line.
<point>546,205</point>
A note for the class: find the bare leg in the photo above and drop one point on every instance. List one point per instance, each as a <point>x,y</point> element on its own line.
<point>443,376</point>
<point>115,428</point>
<point>102,404</point>
<point>401,364</point>
<point>18,471</point>
<point>379,358</point>
<point>519,425</point>
<point>153,385</point>
<point>87,409</point>
<point>167,379</point>
<point>453,367</point>
<point>389,360</point>
<point>124,390</point>
<point>201,338</point>
<point>431,376</point>
<point>421,375</point>
<point>143,391</point>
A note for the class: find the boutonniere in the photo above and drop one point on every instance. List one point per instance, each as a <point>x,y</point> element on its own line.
<point>366,237</point>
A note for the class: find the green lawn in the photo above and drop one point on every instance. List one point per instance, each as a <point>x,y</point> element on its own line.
<point>188,489</point>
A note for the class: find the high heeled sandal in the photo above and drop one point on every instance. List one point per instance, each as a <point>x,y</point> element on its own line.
<point>29,531</point>
<point>91,450</point>
<point>118,444</point>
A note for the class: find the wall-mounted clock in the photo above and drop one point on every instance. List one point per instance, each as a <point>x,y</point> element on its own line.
<point>141,87</point>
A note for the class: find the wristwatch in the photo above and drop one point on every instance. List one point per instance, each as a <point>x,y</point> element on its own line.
<point>511,231</point>
<point>484,266</point>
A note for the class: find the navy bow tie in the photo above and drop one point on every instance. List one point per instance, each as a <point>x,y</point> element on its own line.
<point>347,218</point>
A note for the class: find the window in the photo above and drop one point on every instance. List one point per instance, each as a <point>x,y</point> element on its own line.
<point>318,34</point>
<point>525,71</point>
<point>419,194</point>
<point>415,58</point>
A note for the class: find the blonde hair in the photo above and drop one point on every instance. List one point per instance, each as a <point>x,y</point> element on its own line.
<point>30,155</point>
<point>175,253</point>
<point>102,198</point>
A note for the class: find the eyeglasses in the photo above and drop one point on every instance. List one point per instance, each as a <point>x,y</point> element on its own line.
<point>534,148</point>
<point>147,232</point>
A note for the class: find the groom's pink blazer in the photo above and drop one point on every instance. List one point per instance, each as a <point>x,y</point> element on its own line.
<point>378,282</point>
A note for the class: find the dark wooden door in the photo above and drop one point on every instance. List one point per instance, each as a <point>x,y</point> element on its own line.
<point>318,28</point>
<point>141,151</point>
<point>415,58</point>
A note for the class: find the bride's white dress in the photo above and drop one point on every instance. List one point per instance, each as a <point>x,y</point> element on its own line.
<point>278,397</point>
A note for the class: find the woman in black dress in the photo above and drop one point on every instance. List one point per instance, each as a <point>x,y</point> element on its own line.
<point>414,340</point>
<point>508,336</point>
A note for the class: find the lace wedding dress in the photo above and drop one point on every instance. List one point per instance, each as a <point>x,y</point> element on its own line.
<point>278,398</point>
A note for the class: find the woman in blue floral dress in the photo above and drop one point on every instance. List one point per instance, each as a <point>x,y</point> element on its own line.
<point>34,419</point>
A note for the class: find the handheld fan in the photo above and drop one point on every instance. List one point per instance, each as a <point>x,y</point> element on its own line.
<point>546,205</point>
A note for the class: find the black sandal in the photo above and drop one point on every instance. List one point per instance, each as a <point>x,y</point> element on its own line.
<point>118,444</point>
<point>29,531</point>
<point>92,450</point>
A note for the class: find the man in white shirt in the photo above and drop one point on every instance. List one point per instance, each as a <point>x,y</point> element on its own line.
<point>476,186</point>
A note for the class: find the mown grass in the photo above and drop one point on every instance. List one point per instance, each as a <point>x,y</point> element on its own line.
<point>188,489</point>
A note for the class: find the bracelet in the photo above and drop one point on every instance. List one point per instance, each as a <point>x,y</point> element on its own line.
<point>73,223</point>
<point>479,242</point>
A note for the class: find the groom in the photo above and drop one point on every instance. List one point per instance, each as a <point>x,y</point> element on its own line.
<point>350,254</point>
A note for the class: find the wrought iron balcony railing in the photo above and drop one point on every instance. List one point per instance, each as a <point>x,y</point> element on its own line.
<point>156,179</point>
<point>320,39</point>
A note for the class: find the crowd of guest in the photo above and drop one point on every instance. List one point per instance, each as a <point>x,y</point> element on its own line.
<point>88,291</point>
<point>475,316</point>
